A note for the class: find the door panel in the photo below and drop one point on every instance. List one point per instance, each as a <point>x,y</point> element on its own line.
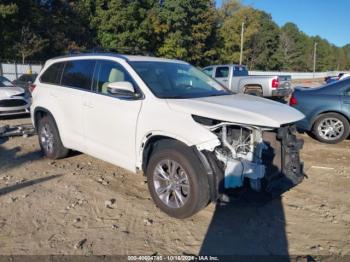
<point>222,75</point>
<point>110,122</point>
<point>346,102</point>
<point>76,81</point>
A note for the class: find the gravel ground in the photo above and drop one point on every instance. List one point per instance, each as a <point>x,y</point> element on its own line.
<point>81,205</point>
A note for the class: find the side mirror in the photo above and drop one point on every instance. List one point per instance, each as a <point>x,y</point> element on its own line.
<point>121,89</point>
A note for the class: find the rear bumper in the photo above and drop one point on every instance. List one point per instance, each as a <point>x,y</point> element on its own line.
<point>281,92</point>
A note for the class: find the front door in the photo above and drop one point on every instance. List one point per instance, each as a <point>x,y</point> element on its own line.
<point>110,122</point>
<point>222,75</point>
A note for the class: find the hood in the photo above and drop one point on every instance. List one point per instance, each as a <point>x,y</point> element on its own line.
<point>7,92</point>
<point>240,108</point>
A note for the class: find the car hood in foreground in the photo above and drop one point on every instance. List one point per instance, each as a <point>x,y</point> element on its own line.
<point>242,109</point>
<point>8,92</point>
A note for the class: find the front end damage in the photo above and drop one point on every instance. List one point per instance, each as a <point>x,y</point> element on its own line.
<point>265,159</point>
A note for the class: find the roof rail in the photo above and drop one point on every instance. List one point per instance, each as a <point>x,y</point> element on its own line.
<point>123,50</point>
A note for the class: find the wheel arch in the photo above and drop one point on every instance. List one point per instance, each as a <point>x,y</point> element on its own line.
<point>317,116</point>
<point>148,146</point>
<point>40,112</point>
<point>247,87</point>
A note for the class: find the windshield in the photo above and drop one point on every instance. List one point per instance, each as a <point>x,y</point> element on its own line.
<point>4,82</point>
<point>177,80</point>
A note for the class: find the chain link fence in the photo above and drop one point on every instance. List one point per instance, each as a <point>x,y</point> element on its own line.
<point>13,71</point>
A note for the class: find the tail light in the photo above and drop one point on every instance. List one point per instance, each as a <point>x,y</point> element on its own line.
<point>32,87</point>
<point>275,83</point>
<point>293,101</point>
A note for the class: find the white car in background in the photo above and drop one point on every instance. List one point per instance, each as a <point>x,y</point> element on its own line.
<point>344,76</point>
<point>189,135</point>
<point>13,100</point>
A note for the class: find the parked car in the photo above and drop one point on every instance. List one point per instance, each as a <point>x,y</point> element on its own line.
<point>13,100</point>
<point>25,81</point>
<point>188,134</point>
<point>237,79</point>
<point>327,110</point>
<point>340,76</point>
<point>344,76</point>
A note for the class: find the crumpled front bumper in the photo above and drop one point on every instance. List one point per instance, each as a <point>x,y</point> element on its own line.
<point>284,169</point>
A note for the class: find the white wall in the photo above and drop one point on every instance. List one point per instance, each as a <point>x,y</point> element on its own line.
<point>9,70</point>
<point>298,75</point>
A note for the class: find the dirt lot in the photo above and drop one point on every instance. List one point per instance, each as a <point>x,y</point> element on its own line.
<point>48,207</point>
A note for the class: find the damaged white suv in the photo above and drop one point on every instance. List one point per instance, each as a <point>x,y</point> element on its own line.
<point>191,137</point>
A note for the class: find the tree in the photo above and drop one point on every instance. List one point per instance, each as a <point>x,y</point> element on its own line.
<point>7,11</point>
<point>29,43</point>
<point>186,30</point>
<point>123,25</point>
<point>261,37</point>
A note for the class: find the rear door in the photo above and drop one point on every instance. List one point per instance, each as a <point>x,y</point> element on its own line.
<point>222,75</point>
<point>238,72</point>
<point>346,101</point>
<point>110,121</point>
<point>76,80</point>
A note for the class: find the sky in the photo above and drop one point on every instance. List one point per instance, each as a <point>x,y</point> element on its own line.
<point>330,19</point>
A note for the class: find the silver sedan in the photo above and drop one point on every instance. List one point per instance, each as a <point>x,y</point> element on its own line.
<point>13,100</point>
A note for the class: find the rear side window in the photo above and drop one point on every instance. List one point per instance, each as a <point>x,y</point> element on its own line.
<point>222,71</point>
<point>78,74</point>
<point>240,71</point>
<point>52,75</point>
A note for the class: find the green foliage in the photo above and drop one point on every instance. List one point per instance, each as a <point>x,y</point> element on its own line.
<point>195,31</point>
<point>185,30</point>
<point>123,25</point>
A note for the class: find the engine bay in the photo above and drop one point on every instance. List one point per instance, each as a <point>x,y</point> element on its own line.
<point>266,159</point>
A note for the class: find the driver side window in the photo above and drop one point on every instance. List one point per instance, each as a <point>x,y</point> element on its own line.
<point>108,72</point>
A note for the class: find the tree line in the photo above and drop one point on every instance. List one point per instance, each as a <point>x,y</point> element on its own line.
<point>195,31</point>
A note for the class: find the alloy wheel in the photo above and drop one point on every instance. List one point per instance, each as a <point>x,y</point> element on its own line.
<point>331,128</point>
<point>171,183</point>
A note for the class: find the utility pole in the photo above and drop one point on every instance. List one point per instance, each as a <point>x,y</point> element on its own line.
<point>315,52</point>
<point>242,37</point>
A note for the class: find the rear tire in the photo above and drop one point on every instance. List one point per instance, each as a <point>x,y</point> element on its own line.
<point>49,138</point>
<point>331,128</point>
<point>177,181</point>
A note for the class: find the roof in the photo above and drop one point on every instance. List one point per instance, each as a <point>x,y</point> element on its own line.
<point>121,56</point>
<point>226,65</point>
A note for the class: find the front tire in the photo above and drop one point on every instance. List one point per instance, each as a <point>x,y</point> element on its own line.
<point>49,138</point>
<point>331,128</point>
<point>176,179</point>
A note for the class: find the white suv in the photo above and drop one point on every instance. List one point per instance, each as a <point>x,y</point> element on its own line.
<point>190,136</point>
